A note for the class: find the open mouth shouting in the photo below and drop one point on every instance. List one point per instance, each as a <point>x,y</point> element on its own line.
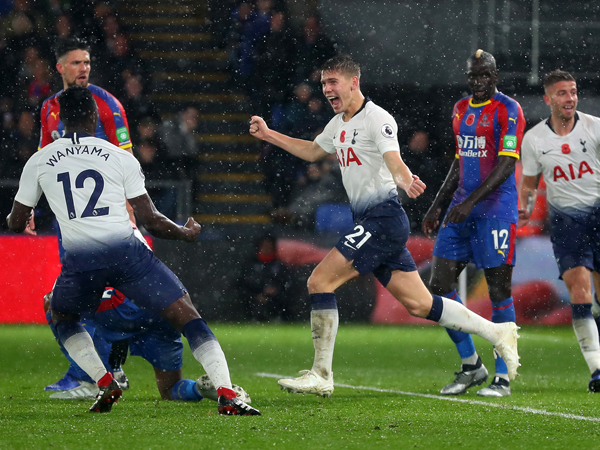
<point>335,102</point>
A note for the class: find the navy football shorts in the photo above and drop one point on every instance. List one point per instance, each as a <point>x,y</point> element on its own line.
<point>575,239</point>
<point>146,281</point>
<point>377,244</point>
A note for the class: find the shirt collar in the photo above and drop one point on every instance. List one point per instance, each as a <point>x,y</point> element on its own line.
<point>574,123</point>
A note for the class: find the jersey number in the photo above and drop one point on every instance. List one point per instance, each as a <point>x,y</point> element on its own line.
<point>90,209</point>
<point>503,234</point>
<point>360,231</point>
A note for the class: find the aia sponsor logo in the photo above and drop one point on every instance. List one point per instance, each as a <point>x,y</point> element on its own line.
<point>347,157</point>
<point>571,173</point>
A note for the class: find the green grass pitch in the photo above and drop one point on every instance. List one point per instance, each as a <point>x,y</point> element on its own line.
<point>389,378</point>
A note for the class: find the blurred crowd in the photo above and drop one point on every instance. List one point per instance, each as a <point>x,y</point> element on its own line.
<point>28,32</point>
<point>274,57</point>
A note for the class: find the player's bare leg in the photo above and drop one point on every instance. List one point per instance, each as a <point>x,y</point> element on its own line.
<point>331,273</point>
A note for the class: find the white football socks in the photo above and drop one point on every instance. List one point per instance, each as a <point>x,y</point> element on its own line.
<point>81,349</point>
<point>586,332</point>
<point>212,358</point>
<point>458,317</point>
<point>324,325</point>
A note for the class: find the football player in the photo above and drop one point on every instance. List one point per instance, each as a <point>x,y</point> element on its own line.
<point>565,149</point>
<point>363,136</point>
<point>73,63</point>
<point>481,221</point>
<point>87,181</point>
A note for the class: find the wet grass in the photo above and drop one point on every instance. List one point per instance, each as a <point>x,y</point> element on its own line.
<point>549,408</point>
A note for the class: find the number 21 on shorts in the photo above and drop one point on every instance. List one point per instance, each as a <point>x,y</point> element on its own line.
<point>357,240</point>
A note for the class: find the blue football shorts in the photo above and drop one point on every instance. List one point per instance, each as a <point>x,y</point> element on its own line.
<point>149,335</point>
<point>575,239</point>
<point>486,242</point>
<point>145,280</point>
<point>163,352</point>
<point>377,243</point>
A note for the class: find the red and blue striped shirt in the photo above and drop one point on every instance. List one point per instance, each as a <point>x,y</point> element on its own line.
<point>112,123</point>
<point>484,132</point>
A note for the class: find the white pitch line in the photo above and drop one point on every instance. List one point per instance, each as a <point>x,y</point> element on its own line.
<point>524,409</point>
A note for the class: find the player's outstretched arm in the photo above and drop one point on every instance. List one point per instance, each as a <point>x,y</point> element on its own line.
<point>19,218</point>
<point>306,150</point>
<point>160,225</point>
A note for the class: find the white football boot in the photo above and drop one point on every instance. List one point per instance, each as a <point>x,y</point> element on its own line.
<point>507,348</point>
<point>498,388</point>
<point>309,383</point>
<point>84,390</point>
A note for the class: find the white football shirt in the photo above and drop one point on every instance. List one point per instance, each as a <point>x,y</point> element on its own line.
<point>86,181</point>
<point>570,164</point>
<point>359,145</point>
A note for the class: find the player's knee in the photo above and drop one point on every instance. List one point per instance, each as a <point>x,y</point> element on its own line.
<point>499,293</point>
<point>313,284</point>
<point>578,294</point>
<point>317,284</point>
<point>416,307</point>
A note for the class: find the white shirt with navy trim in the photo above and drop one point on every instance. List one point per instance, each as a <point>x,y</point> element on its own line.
<point>86,181</point>
<point>570,164</point>
<point>359,145</point>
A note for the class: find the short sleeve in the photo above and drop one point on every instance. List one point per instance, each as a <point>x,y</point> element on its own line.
<point>325,139</point>
<point>383,130</point>
<point>134,177</point>
<point>596,135</point>
<point>30,191</point>
<point>531,165</point>
<point>512,123</point>
<point>113,118</point>
<point>44,134</point>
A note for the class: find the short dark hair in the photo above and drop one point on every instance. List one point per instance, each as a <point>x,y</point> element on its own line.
<point>555,76</point>
<point>343,64</point>
<point>64,46</point>
<point>77,107</point>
